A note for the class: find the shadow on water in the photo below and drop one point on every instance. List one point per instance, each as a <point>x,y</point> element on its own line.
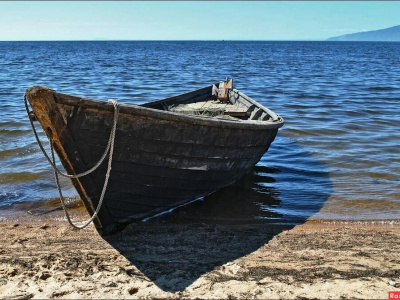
<point>174,250</point>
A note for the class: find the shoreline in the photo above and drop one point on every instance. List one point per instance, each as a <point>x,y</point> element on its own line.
<point>51,212</point>
<point>79,215</point>
<point>160,259</point>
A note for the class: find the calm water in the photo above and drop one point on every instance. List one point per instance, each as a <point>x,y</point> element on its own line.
<point>337,156</point>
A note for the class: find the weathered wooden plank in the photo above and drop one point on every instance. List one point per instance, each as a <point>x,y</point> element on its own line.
<point>137,168</point>
<point>211,107</point>
<point>175,150</point>
<point>175,162</point>
<point>223,89</point>
<point>233,141</point>
<point>121,214</point>
<point>169,196</point>
<point>193,96</point>
<point>144,128</point>
<point>248,102</point>
<point>127,149</point>
<point>255,115</point>
<point>156,182</point>
<point>130,201</point>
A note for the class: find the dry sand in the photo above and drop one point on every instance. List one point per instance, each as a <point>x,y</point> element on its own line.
<point>162,259</point>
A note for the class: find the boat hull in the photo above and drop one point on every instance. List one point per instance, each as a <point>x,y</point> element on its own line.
<point>161,159</point>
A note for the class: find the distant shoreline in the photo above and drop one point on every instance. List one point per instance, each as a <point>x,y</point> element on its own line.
<point>391,34</point>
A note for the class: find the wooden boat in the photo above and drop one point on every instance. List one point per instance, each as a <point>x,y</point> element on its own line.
<point>166,153</point>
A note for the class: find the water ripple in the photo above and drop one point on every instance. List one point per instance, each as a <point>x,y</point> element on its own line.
<point>336,157</point>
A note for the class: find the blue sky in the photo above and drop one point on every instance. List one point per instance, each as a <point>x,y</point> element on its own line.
<point>187,20</point>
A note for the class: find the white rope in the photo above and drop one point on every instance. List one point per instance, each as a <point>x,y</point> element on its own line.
<point>109,149</point>
<point>116,112</point>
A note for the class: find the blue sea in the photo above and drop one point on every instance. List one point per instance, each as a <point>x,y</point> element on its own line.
<point>337,158</point>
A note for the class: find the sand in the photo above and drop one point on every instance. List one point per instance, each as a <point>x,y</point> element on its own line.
<point>162,259</point>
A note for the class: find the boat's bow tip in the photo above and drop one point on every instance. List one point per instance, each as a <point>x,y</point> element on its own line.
<point>37,89</point>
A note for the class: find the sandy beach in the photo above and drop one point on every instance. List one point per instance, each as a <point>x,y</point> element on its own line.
<point>162,259</point>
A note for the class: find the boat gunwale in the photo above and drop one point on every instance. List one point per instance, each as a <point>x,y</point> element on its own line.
<point>132,109</point>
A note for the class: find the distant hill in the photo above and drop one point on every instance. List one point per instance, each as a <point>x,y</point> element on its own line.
<point>391,34</point>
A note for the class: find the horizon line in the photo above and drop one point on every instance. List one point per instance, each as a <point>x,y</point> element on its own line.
<point>221,41</point>
<point>171,40</point>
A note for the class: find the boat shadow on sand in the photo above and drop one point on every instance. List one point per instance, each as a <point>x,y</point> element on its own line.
<point>175,249</point>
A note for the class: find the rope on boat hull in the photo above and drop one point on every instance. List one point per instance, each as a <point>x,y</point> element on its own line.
<point>109,150</point>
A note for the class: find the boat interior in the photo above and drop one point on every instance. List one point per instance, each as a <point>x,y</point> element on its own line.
<point>219,100</point>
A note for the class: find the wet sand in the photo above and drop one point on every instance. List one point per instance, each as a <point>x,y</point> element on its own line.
<point>162,259</point>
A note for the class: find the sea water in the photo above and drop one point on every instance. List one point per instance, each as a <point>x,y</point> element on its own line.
<point>336,158</point>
